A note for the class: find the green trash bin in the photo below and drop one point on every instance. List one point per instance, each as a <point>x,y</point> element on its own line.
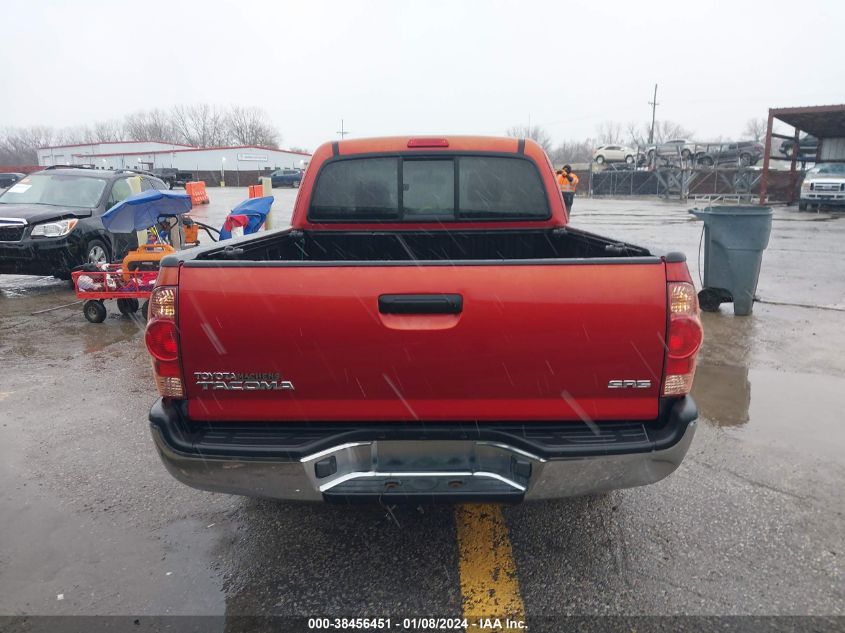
<point>734,240</point>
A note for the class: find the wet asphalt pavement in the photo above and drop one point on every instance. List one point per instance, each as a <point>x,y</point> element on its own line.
<point>751,523</point>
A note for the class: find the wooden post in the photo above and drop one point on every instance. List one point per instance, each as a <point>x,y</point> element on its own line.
<point>135,187</point>
<point>767,151</point>
<point>267,186</point>
<point>790,198</point>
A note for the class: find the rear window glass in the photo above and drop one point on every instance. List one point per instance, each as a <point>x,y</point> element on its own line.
<point>428,188</point>
<point>494,187</point>
<point>417,189</point>
<point>353,189</point>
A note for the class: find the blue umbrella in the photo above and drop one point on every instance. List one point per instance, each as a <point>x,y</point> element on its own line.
<point>256,209</point>
<point>141,210</point>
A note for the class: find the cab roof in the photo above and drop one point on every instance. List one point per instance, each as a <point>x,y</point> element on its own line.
<point>427,145</point>
<point>455,143</point>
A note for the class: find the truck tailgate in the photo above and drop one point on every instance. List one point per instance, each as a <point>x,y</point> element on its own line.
<point>527,342</point>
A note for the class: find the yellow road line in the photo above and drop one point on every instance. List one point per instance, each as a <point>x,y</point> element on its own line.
<point>489,585</point>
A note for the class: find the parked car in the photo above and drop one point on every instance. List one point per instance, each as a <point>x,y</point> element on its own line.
<point>807,145</point>
<point>172,177</point>
<point>7,179</point>
<point>415,343</point>
<point>742,153</point>
<point>286,178</point>
<point>50,220</point>
<point>674,148</point>
<point>824,185</point>
<point>614,154</point>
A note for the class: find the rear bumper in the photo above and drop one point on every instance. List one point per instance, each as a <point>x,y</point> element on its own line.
<point>460,462</point>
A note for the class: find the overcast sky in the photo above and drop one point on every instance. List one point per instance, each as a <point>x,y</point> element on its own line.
<point>423,67</point>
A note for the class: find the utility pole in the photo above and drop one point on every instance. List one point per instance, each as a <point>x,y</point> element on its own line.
<point>653,105</point>
<point>342,131</point>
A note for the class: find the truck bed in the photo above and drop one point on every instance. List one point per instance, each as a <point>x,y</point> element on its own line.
<point>453,246</point>
<point>416,325</point>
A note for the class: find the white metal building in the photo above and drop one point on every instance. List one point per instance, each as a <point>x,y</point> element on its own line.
<point>149,155</point>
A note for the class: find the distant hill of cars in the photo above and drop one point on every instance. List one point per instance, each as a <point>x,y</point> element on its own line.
<point>740,153</point>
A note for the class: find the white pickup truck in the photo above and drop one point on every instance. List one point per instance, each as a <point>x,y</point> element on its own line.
<point>824,185</point>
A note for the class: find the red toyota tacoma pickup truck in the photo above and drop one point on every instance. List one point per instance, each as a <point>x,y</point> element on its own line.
<point>429,328</point>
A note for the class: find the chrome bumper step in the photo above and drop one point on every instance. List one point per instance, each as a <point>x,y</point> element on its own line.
<point>414,464</point>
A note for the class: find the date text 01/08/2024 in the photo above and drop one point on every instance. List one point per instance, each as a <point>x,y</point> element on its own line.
<point>415,624</point>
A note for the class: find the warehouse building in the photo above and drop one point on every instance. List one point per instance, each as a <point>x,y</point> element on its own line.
<point>238,165</point>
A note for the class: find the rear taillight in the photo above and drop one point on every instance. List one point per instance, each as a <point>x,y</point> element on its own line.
<point>683,340</point>
<point>162,342</point>
<point>162,339</point>
<point>163,303</point>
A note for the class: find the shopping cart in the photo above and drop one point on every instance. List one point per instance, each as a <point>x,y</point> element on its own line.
<point>95,283</point>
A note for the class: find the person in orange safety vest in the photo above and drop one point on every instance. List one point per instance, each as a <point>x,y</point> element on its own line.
<point>567,182</point>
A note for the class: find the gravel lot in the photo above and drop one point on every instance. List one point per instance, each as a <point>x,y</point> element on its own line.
<point>750,524</point>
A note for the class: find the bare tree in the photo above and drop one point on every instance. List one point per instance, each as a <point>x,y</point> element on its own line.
<point>73,135</point>
<point>150,125</point>
<point>535,133</point>
<point>572,151</point>
<point>755,129</point>
<point>663,131</point>
<point>19,146</point>
<point>99,132</point>
<point>637,135</point>
<point>249,126</point>
<point>105,131</point>
<point>609,133</point>
<point>201,125</point>
<point>668,130</point>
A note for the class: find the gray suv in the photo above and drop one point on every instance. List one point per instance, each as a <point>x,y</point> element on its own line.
<point>741,153</point>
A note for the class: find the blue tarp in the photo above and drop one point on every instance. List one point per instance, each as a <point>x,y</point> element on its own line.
<point>141,210</point>
<point>256,209</point>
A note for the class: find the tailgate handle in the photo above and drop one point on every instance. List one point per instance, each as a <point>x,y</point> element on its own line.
<point>420,304</point>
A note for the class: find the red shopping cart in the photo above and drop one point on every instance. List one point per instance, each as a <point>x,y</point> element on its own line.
<point>113,282</point>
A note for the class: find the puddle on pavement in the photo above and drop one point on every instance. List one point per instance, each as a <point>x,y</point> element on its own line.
<point>723,394</point>
<point>24,285</point>
<point>784,409</point>
<point>116,329</point>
